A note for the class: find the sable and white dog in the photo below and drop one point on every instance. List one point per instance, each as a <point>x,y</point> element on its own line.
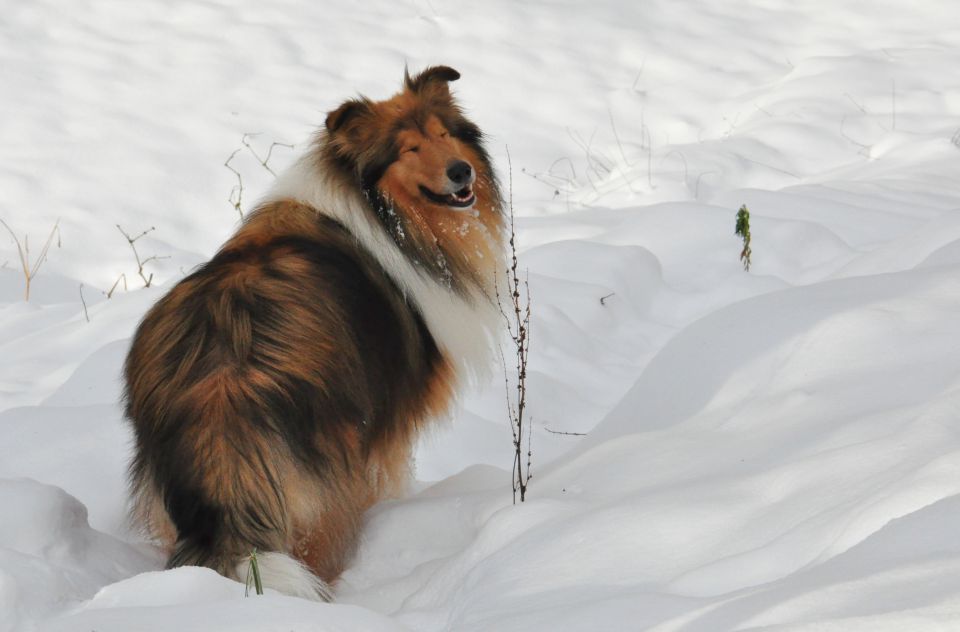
<point>275,393</point>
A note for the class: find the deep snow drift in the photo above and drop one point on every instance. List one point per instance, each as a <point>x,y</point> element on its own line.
<point>775,449</point>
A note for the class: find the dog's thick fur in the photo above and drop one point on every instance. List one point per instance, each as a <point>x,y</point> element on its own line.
<point>275,393</point>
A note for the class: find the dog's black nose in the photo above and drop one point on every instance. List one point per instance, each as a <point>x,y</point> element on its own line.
<point>459,172</point>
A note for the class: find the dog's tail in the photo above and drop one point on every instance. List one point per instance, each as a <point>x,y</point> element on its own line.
<point>277,570</point>
<point>234,506</point>
<point>285,574</point>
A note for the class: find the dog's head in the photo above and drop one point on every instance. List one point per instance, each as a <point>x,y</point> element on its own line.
<point>423,172</point>
<point>415,149</point>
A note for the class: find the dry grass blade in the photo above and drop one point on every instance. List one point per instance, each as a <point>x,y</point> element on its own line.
<point>23,252</point>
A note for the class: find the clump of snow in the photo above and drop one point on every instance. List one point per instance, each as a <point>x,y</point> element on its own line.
<point>713,449</point>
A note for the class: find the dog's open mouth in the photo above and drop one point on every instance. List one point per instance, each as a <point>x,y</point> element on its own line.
<point>459,199</point>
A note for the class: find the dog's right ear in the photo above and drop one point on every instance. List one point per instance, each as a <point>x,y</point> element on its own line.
<point>434,75</point>
<point>343,115</point>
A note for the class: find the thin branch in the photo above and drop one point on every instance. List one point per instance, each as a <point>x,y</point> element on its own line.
<point>616,137</point>
<point>763,110</point>
<point>683,159</point>
<point>140,263</point>
<point>85,313</point>
<point>696,189</point>
<point>123,277</point>
<point>857,105</point>
<point>236,193</point>
<point>569,434</point>
<point>771,167</point>
<point>237,190</point>
<point>623,154</point>
<point>864,149</point>
<point>518,326</point>
<point>639,74</point>
<point>733,124</point>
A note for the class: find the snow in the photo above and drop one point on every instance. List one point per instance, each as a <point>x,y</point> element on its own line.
<point>766,450</point>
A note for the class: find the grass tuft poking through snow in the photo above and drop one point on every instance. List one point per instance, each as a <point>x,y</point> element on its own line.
<point>253,575</point>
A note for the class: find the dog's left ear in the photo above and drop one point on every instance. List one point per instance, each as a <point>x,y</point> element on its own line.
<point>348,111</point>
<point>433,75</point>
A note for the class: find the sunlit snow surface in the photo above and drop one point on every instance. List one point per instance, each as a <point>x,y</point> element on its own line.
<point>775,450</point>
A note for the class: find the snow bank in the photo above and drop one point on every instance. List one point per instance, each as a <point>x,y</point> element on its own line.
<point>49,555</point>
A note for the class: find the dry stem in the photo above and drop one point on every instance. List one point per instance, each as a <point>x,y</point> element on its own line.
<point>236,193</point>
<point>82,300</point>
<point>518,326</point>
<point>147,280</point>
<point>122,277</point>
<point>23,251</point>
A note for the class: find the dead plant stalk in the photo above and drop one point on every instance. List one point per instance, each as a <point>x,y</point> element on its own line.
<point>147,280</point>
<point>516,314</point>
<point>23,252</point>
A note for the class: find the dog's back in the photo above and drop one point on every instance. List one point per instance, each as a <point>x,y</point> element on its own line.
<point>269,388</point>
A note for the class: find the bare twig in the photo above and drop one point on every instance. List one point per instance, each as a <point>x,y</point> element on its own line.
<point>639,74</point>
<point>113,287</point>
<point>603,299</point>
<point>763,110</point>
<point>236,193</point>
<point>598,165</point>
<point>555,178</point>
<point>864,149</point>
<point>518,326</point>
<point>23,251</point>
<point>857,105</point>
<point>572,180</point>
<point>732,124</point>
<point>571,434</point>
<point>683,159</point>
<point>627,164</point>
<point>263,161</point>
<point>763,164</point>
<point>147,280</point>
<point>85,313</point>
<point>696,189</point>
<point>646,142</point>
<point>616,137</point>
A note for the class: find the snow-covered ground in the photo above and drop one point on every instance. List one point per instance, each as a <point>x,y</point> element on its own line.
<point>776,449</point>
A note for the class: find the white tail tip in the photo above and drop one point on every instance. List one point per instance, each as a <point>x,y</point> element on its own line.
<point>284,574</point>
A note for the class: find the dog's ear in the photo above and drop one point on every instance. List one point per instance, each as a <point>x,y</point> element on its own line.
<point>433,75</point>
<point>351,110</point>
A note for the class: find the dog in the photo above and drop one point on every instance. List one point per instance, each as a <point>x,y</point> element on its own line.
<point>275,393</point>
